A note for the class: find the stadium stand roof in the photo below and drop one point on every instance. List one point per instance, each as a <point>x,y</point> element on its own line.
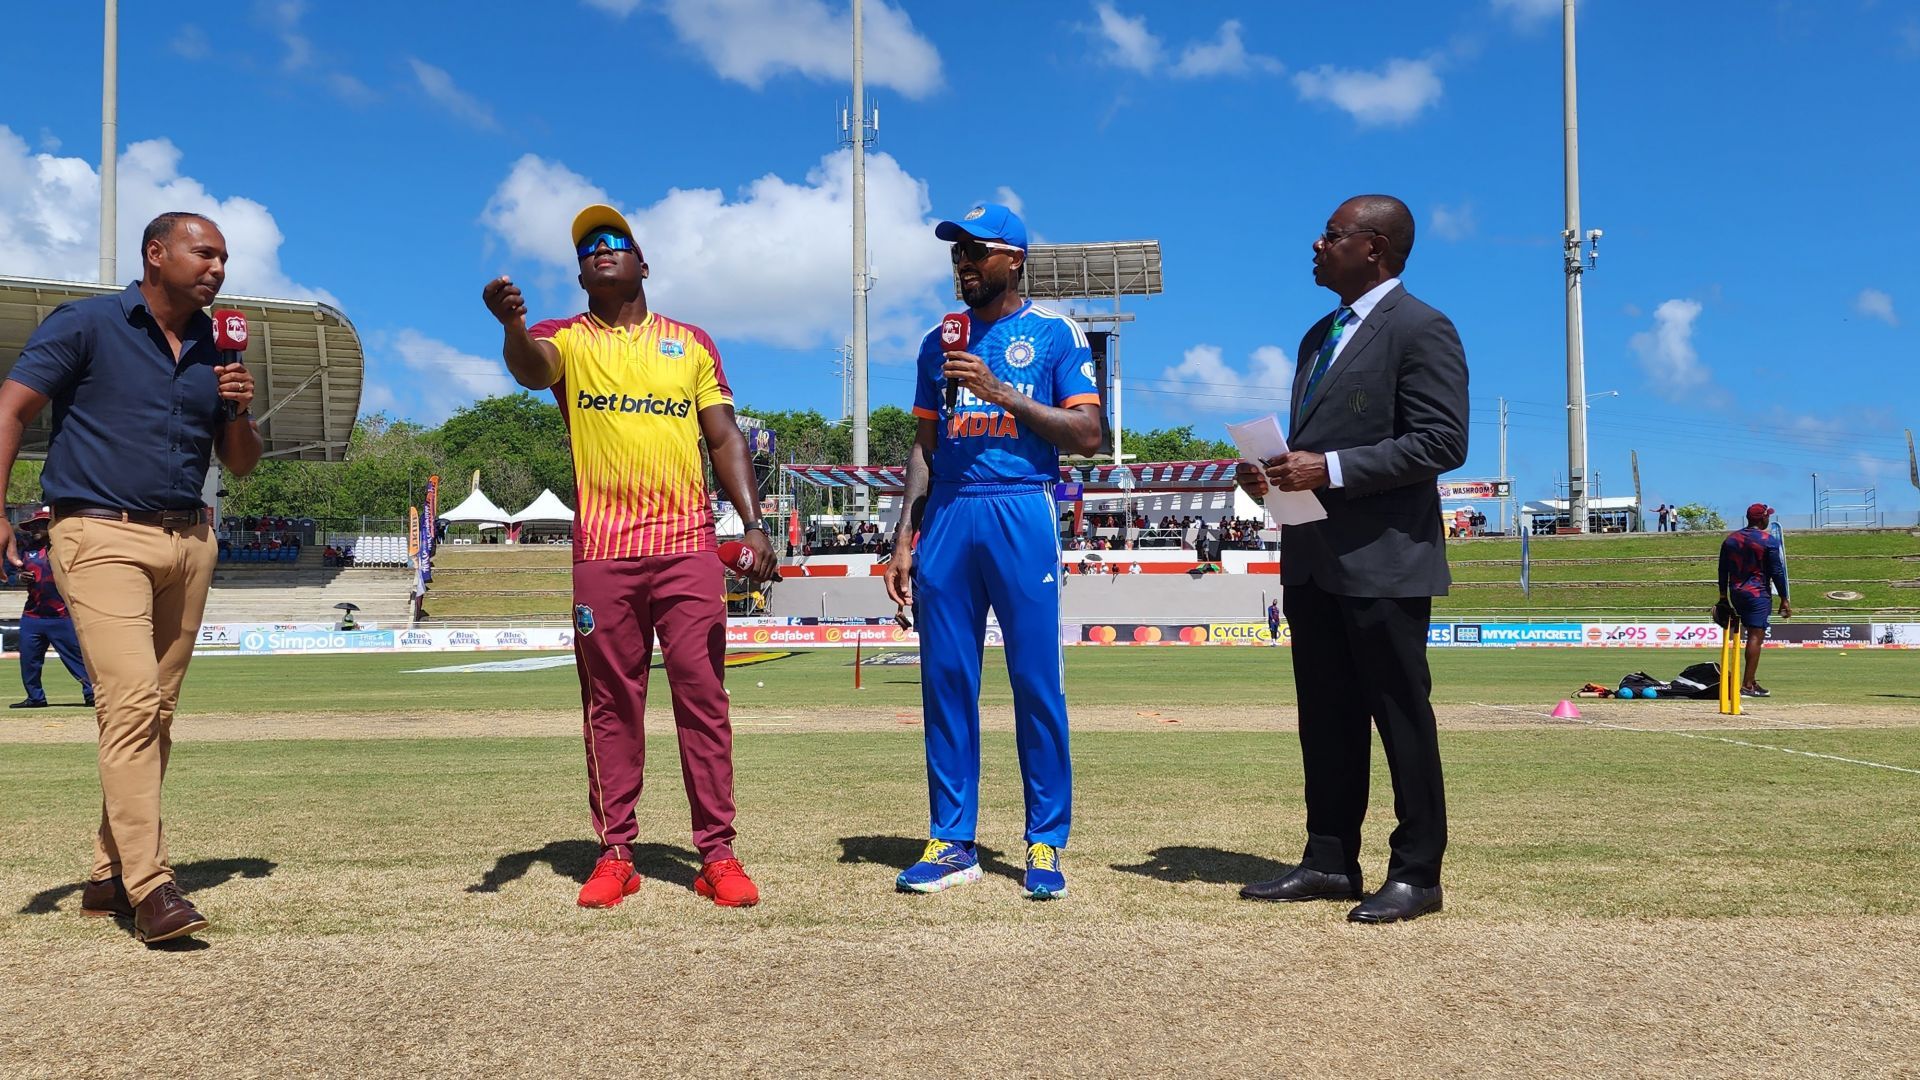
<point>307,363</point>
<point>1099,479</point>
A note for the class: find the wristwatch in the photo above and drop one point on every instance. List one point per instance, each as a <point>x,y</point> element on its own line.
<point>760,525</point>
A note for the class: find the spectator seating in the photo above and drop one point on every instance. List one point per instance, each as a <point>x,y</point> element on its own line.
<point>366,550</point>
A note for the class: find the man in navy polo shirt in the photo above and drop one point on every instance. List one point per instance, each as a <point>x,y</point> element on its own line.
<point>141,399</point>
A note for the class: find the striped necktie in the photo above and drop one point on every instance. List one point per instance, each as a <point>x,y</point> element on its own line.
<point>1324,359</point>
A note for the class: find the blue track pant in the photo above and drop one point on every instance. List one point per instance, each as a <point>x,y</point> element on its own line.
<point>992,546</point>
<point>36,634</point>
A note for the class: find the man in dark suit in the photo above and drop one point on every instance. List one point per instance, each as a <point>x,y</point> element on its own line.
<point>1379,413</point>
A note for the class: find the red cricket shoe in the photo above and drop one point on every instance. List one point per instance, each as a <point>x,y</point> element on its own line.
<point>612,881</point>
<point>725,882</point>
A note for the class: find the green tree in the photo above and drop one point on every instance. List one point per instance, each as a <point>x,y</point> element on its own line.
<point>24,485</point>
<point>518,442</point>
<point>1700,516</point>
<point>1174,444</point>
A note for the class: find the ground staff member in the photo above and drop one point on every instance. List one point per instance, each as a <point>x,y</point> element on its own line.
<point>1379,414</point>
<point>989,539</point>
<point>1752,568</point>
<point>137,389</point>
<point>44,620</point>
<point>639,391</point>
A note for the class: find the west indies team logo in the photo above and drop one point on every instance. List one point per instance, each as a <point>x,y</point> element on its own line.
<point>671,349</point>
<point>1020,352</point>
<point>582,619</point>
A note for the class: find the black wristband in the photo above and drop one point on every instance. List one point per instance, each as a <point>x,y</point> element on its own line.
<point>761,525</point>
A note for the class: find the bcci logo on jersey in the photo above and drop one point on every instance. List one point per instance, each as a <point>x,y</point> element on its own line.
<point>1019,352</point>
<point>657,406</point>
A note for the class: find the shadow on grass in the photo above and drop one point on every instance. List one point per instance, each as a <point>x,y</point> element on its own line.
<point>1178,865</point>
<point>192,877</point>
<point>900,852</point>
<point>575,858</point>
<point>1895,695</point>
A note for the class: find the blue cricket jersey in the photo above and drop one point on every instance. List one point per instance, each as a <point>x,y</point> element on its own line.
<point>1044,355</point>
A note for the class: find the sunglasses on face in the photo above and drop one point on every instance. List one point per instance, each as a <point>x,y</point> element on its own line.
<point>1331,238</point>
<point>976,252</point>
<point>613,240</point>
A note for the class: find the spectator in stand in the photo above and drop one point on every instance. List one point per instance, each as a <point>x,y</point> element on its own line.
<point>1273,623</point>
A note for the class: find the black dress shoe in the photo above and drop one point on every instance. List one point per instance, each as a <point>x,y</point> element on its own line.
<point>1301,883</point>
<point>1396,901</point>
<point>30,703</point>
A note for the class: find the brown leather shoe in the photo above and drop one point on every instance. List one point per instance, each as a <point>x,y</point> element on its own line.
<point>104,898</point>
<point>165,915</point>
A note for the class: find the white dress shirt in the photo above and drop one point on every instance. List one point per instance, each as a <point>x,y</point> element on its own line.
<point>1361,309</point>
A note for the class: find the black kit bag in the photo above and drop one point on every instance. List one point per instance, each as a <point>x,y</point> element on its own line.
<point>1698,681</point>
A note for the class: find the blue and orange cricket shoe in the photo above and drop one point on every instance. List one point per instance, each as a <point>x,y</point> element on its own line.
<point>1044,879</point>
<point>942,865</point>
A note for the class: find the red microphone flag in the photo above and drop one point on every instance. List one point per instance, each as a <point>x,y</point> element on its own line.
<point>955,328</point>
<point>229,331</point>
<point>738,557</point>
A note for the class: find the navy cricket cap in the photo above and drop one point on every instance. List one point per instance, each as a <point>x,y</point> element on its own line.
<point>986,221</point>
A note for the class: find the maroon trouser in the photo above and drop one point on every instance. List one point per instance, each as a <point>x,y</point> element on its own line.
<point>619,605</point>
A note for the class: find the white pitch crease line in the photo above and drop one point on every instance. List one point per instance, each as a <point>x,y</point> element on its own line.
<point>1719,739</point>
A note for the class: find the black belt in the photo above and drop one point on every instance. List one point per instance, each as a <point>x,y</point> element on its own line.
<point>160,519</point>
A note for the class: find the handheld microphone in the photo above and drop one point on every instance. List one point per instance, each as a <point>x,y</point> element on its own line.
<point>230,337</point>
<point>954,331</point>
<point>739,557</point>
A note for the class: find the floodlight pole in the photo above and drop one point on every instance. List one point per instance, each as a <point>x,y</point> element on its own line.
<point>1576,349</point>
<point>109,139</point>
<point>858,133</point>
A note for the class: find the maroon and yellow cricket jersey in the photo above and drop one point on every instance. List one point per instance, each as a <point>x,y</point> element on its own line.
<point>632,397</point>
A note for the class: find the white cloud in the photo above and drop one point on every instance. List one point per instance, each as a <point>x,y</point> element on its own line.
<point>771,264</point>
<point>1455,222</point>
<point>412,359</point>
<point>191,43</point>
<point>349,89</point>
<point>1009,198</point>
<point>283,17</point>
<point>1225,55</point>
<point>1131,44</point>
<point>1875,304</point>
<point>751,41</point>
<point>50,218</point>
<point>1666,352</point>
<point>1213,385</point>
<point>440,87</point>
<point>1527,12</point>
<point>1395,94</point>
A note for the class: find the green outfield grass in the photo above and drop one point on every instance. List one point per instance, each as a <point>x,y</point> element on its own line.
<point>1685,545</point>
<point>1658,576</point>
<point>1242,678</point>
<point>404,905</point>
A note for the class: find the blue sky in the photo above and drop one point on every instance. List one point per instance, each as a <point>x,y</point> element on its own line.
<point>1752,164</point>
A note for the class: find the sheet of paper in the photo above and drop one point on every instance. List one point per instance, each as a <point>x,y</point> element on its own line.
<point>1260,439</point>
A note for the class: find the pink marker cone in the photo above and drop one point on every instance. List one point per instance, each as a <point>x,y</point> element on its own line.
<point>1565,711</point>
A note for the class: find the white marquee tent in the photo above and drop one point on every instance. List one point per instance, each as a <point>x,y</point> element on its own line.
<point>545,510</point>
<point>480,509</point>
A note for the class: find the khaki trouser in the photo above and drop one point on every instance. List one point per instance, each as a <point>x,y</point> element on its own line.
<point>136,593</point>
